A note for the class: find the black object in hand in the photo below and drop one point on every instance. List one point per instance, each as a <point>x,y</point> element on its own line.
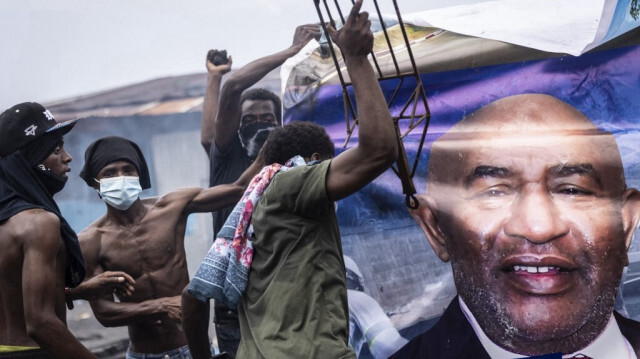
<point>218,57</point>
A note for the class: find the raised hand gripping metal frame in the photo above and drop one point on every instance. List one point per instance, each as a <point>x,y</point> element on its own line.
<point>409,110</point>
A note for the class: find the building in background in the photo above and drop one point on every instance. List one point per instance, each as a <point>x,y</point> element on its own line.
<point>163,117</point>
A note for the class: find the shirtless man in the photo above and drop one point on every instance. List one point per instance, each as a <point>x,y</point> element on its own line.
<point>144,237</point>
<point>40,255</point>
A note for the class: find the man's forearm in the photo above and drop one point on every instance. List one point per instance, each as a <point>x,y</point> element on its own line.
<point>54,337</point>
<point>377,145</point>
<point>376,133</point>
<point>195,321</point>
<point>112,314</point>
<point>227,120</point>
<point>210,110</point>
<point>254,71</point>
<point>104,283</point>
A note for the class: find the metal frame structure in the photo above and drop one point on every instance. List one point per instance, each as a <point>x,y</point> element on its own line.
<point>409,112</point>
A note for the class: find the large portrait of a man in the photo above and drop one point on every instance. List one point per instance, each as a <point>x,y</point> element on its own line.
<point>523,241</point>
<point>527,199</point>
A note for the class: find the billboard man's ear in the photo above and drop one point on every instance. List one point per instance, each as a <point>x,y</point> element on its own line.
<point>630,214</point>
<point>426,216</point>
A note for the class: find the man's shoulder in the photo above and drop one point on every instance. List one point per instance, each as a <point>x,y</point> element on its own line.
<point>228,165</point>
<point>626,322</point>
<point>32,228</point>
<point>32,222</point>
<point>300,190</point>
<point>95,230</point>
<point>233,150</point>
<point>305,171</point>
<point>296,177</point>
<point>451,337</point>
<point>175,199</point>
<point>92,231</point>
<point>630,329</point>
<point>150,202</point>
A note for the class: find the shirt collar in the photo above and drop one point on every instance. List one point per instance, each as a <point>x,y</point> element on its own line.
<point>609,344</point>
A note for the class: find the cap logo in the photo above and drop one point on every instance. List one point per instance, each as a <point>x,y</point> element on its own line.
<point>48,115</point>
<point>30,131</point>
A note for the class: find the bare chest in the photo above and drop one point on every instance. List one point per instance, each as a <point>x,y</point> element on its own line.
<point>142,250</point>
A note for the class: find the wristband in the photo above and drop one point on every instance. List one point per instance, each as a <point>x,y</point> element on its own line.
<point>67,297</point>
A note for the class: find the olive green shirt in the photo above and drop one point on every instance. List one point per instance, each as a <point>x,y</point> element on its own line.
<point>295,304</point>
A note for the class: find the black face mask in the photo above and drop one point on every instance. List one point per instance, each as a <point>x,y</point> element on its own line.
<point>51,181</point>
<point>253,136</point>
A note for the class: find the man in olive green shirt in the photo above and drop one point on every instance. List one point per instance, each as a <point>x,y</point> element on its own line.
<point>295,304</point>
<point>296,300</point>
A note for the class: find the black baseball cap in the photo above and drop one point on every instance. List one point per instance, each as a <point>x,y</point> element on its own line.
<point>26,122</point>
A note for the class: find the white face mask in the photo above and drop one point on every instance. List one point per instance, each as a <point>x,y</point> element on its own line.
<point>120,192</point>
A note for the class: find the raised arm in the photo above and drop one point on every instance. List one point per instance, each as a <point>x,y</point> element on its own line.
<point>224,195</point>
<point>227,120</point>
<point>211,96</point>
<point>41,287</point>
<point>377,148</point>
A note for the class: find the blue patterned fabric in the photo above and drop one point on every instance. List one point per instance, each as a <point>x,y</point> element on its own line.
<point>224,271</point>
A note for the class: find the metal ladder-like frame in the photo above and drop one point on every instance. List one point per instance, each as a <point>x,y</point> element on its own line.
<point>409,109</point>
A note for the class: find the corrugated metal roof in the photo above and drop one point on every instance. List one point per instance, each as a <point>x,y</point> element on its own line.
<point>163,96</point>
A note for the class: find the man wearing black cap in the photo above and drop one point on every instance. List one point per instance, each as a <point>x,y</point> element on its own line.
<point>40,254</point>
<point>145,238</point>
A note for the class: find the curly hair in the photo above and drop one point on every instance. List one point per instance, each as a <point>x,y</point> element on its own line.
<point>262,94</point>
<point>297,138</point>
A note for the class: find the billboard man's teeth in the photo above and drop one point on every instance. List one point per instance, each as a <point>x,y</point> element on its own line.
<point>531,269</point>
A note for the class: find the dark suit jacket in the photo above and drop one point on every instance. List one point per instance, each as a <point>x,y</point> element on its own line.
<point>453,338</point>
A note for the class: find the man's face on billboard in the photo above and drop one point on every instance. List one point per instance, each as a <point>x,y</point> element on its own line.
<point>527,203</point>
